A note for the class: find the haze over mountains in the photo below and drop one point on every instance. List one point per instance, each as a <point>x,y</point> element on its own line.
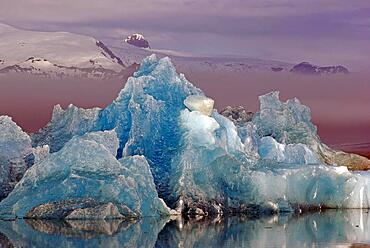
<point>63,54</point>
<point>134,53</point>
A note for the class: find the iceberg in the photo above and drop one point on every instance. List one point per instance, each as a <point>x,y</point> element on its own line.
<point>85,180</point>
<point>162,139</point>
<point>16,154</point>
<point>216,174</point>
<point>145,116</point>
<point>64,125</point>
<point>290,123</point>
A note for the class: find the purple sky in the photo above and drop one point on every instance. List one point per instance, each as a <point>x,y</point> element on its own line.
<point>320,31</point>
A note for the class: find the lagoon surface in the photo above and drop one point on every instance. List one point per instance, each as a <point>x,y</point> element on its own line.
<point>331,228</point>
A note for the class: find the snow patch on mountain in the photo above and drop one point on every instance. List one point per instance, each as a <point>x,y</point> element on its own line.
<point>55,54</point>
<point>43,67</point>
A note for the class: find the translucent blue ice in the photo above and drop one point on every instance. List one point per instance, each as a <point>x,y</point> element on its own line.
<point>16,154</point>
<point>199,159</point>
<point>86,167</point>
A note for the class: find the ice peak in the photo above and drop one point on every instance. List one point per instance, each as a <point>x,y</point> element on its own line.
<point>163,67</point>
<point>270,100</point>
<point>15,154</point>
<point>5,118</point>
<point>6,122</point>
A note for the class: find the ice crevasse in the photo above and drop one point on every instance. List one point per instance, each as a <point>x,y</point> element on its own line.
<point>199,161</point>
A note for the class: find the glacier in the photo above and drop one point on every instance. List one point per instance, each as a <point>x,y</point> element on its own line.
<point>164,133</point>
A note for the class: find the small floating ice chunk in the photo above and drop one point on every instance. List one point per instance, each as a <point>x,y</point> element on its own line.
<point>200,103</point>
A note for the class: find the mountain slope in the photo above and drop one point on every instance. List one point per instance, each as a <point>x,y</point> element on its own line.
<point>55,54</point>
<point>188,63</point>
<point>132,52</point>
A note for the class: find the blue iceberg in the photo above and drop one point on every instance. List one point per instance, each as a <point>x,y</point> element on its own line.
<point>176,147</point>
<point>84,180</point>
<point>145,116</point>
<point>16,154</point>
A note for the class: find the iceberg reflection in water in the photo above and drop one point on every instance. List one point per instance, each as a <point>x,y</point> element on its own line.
<point>348,228</point>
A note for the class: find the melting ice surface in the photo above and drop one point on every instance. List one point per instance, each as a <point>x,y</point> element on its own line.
<point>201,162</point>
<point>331,228</point>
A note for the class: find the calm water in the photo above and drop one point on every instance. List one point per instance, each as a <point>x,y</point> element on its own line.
<point>321,229</point>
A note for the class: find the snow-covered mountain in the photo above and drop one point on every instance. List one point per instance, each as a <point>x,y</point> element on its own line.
<point>189,62</point>
<point>55,54</point>
<point>63,54</point>
<point>132,51</point>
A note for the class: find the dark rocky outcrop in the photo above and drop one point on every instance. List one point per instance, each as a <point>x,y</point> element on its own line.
<point>277,69</point>
<point>309,69</point>
<point>352,161</point>
<point>238,115</point>
<point>108,52</point>
<point>137,40</point>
